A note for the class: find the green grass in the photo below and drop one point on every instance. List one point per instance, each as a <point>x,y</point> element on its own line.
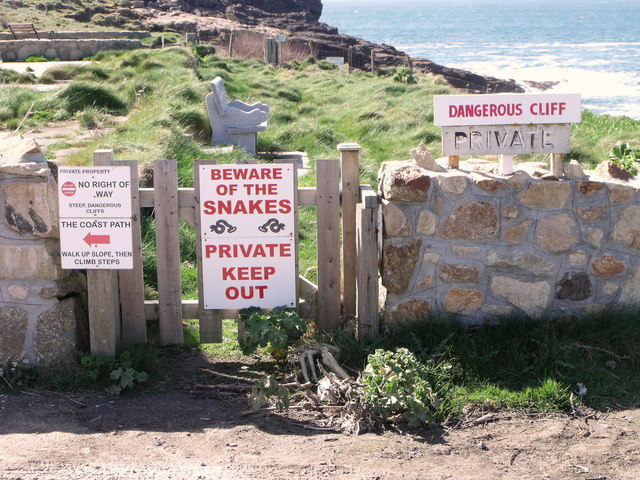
<point>525,364</point>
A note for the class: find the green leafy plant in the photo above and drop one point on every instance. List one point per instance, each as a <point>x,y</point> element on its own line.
<point>269,392</point>
<point>404,74</point>
<point>202,51</point>
<point>396,383</point>
<point>16,375</point>
<point>115,374</point>
<point>276,330</point>
<point>626,157</point>
<point>35,59</point>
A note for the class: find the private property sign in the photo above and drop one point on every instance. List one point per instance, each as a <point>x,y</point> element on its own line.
<point>247,219</point>
<point>95,217</point>
<point>506,123</point>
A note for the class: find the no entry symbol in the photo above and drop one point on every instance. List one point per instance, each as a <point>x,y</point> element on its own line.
<point>68,189</point>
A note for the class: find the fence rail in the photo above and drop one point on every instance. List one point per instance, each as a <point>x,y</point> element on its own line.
<point>347,258</point>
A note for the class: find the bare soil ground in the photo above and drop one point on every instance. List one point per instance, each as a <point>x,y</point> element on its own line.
<point>188,433</point>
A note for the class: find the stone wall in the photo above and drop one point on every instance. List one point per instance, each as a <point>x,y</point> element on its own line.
<point>480,245</point>
<point>42,317</point>
<point>19,50</point>
<point>105,35</point>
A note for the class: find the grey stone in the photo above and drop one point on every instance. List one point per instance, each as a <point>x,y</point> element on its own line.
<point>520,262</point>
<point>557,234</point>
<point>410,312</point>
<point>574,286</point>
<point>399,260</point>
<point>472,220</point>
<point>59,334</point>
<point>423,158</point>
<point>531,297</point>
<point>14,322</point>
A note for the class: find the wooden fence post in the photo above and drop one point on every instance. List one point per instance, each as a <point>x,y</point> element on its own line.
<point>350,58</point>
<point>373,61</point>
<point>350,163</point>
<point>271,50</point>
<point>209,321</point>
<point>134,325</point>
<point>165,179</point>
<point>231,44</point>
<point>367,267</point>
<point>102,291</point>
<point>328,216</point>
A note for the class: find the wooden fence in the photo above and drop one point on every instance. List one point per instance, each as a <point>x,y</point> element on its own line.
<point>347,256</point>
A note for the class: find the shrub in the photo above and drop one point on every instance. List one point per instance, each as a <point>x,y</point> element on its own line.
<point>194,121</point>
<point>291,95</point>
<point>404,74</point>
<point>275,330</point>
<point>9,76</point>
<point>202,51</point>
<point>79,96</point>
<point>626,157</point>
<point>396,383</point>
<point>35,59</point>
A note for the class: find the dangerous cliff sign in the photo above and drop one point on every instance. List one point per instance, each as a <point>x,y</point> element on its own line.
<point>506,109</point>
<point>507,124</point>
<point>247,218</point>
<point>95,217</point>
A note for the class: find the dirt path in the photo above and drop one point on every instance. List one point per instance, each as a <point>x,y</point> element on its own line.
<point>179,434</point>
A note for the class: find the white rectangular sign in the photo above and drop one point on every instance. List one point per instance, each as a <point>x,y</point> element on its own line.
<point>506,139</point>
<point>94,192</point>
<point>240,273</point>
<point>246,200</point>
<point>95,217</point>
<point>247,220</point>
<point>96,244</point>
<point>506,109</point>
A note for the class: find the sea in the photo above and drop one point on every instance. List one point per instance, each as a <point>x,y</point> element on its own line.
<point>591,47</point>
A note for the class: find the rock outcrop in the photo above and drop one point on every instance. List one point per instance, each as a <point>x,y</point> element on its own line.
<point>299,19</point>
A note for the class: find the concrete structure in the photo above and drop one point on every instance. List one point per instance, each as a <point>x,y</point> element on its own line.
<point>234,122</point>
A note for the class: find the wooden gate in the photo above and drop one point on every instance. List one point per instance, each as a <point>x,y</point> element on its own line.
<point>347,256</point>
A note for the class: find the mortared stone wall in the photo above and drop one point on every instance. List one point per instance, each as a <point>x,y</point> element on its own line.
<point>481,245</point>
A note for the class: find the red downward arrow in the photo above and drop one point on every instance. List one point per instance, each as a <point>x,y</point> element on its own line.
<point>97,239</point>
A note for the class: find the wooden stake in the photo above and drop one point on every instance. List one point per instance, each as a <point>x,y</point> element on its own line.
<point>328,211</point>
<point>350,162</point>
<point>557,164</point>
<point>102,291</point>
<point>165,179</point>
<point>134,326</point>
<point>454,161</point>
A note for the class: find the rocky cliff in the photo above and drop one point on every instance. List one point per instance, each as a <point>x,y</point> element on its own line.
<point>299,19</point>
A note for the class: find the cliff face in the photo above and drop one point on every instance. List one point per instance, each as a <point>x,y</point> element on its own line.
<point>312,9</point>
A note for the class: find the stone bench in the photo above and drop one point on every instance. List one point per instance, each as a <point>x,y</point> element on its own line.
<point>234,122</point>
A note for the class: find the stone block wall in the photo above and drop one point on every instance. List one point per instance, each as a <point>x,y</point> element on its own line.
<point>481,246</point>
<point>19,50</point>
<point>84,35</point>
<point>42,313</point>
